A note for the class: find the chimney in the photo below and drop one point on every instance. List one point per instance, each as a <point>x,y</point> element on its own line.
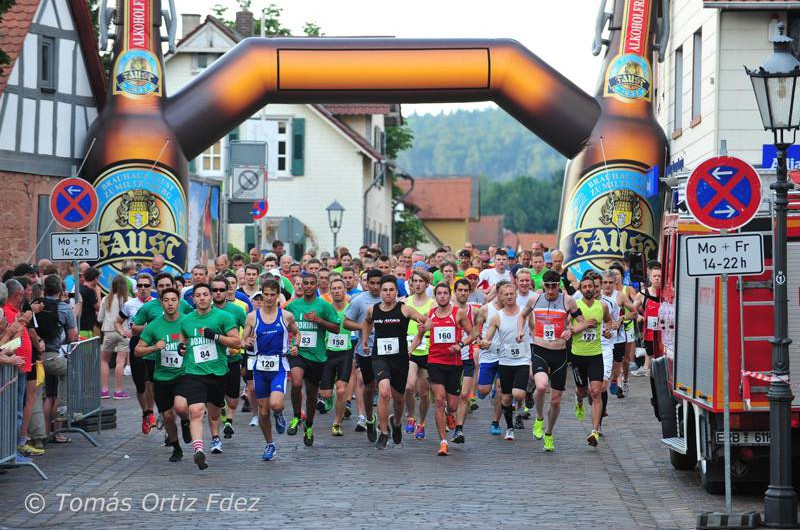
<point>189,23</point>
<point>244,23</point>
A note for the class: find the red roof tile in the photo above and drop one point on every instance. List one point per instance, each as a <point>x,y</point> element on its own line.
<point>441,198</point>
<point>488,231</point>
<point>13,29</point>
<point>357,109</point>
<point>526,240</point>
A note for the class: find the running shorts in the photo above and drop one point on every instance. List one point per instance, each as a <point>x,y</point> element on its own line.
<point>338,367</point>
<point>202,389</point>
<point>266,383</point>
<point>391,367</point>
<point>312,370</point>
<point>619,352</point>
<point>468,368</point>
<point>448,375</point>
<point>551,362</point>
<point>586,368</point>
<point>487,373</point>
<point>232,386</point>
<point>164,394</point>
<point>365,365</point>
<point>512,377</point>
<point>421,361</point>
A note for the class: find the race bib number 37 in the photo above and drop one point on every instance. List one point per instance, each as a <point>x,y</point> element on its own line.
<point>549,332</point>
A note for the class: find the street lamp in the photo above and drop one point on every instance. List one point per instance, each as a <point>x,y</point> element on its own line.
<point>335,212</point>
<point>778,98</point>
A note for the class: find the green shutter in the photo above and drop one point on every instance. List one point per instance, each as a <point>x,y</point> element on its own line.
<point>298,146</point>
<point>234,135</point>
<point>193,166</point>
<point>249,237</point>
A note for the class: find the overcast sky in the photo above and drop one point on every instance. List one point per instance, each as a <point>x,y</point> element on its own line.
<point>559,32</point>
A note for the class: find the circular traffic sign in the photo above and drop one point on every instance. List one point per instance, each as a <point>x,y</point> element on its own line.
<point>73,203</point>
<point>723,193</point>
<point>248,180</point>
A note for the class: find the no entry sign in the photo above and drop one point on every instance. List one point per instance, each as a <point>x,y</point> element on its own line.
<point>73,203</point>
<point>723,193</point>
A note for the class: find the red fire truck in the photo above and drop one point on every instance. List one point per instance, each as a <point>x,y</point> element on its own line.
<point>687,377</point>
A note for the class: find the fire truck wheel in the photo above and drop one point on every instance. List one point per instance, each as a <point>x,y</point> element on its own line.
<point>711,477</point>
<point>682,462</point>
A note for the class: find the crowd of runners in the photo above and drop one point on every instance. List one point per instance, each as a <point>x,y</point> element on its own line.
<point>376,338</point>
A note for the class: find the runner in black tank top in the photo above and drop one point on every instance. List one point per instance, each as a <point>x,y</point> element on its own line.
<point>389,351</point>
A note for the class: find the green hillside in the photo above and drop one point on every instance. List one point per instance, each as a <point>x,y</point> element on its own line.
<point>486,142</point>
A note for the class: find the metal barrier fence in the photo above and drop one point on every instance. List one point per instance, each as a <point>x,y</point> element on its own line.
<point>83,385</point>
<point>9,379</point>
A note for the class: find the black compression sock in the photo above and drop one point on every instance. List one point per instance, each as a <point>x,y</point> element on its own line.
<point>508,414</point>
<point>605,401</point>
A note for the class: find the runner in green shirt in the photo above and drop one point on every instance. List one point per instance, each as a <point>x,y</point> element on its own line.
<point>339,366</point>
<point>207,333</point>
<point>153,309</point>
<point>538,269</point>
<point>314,316</point>
<point>161,339</point>
<point>219,295</point>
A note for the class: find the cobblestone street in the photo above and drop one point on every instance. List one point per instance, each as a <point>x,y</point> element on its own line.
<point>627,482</point>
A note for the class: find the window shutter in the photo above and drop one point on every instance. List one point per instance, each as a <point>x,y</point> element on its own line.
<point>234,135</point>
<point>249,237</point>
<point>193,166</point>
<point>298,146</point>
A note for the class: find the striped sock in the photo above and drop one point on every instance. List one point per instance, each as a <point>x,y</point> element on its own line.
<point>198,445</point>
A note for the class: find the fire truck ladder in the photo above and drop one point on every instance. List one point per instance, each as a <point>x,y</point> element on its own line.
<point>752,381</point>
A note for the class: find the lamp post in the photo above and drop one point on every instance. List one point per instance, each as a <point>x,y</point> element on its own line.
<point>335,212</point>
<point>778,98</point>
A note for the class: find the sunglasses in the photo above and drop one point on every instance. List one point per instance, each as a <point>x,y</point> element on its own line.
<point>143,285</point>
<point>217,290</point>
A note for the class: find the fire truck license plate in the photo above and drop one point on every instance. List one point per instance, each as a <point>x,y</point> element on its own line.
<point>745,437</point>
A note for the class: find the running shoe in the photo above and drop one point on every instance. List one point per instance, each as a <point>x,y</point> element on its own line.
<point>442,448</point>
<point>383,441</point>
<point>223,415</point>
<point>105,394</point>
<point>245,404</point>
<point>518,422</point>
<point>280,422</point>
<point>451,422</point>
<point>580,411</point>
<point>509,434</point>
<point>200,459</point>
<point>372,430</point>
<point>397,431</point>
<point>254,421</point>
<point>329,404</point>
<point>473,404</point>
<point>177,453</point>
<point>458,436</point>
<point>593,438</point>
<point>228,430</point>
<point>495,429</point>
<point>321,406</point>
<point>269,451</point>
<point>146,425</point>
<point>336,430</point>
<point>526,415</point>
<point>549,446</point>
<point>620,392</point>
<point>528,400</point>
<point>120,394</point>
<point>216,445</point>
<point>538,428</point>
<point>308,437</point>
<point>152,419</point>
<point>612,388</point>
<point>361,424</point>
<point>348,409</point>
<point>420,434</point>
<point>625,388</point>
<point>293,425</point>
<point>411,425</point>
<point>29,450</point>
<point>187,435</point>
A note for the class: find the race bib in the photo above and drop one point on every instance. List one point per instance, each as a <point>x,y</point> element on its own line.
<point>652,323</point>
<point>422,344</point>
<point>308,339</point>
<point>513,351</point>
<point>204,353</point>
<point>549,332</point>
<point>388,346</point>
<point>171,359</point>
<point>444,335</point>
<point>590,335</point>
<point>268,363</point>
<point>251,362</point>
<point>338,341</point>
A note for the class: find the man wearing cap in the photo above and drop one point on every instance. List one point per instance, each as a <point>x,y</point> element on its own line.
<point>475,295</point>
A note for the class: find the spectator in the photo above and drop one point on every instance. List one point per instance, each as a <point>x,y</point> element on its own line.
<point>156,265</point>
<point>90,302</point>
<point>238,262</point>
<point>57,327</point>
<point>277,248</point>
<point>221,263</point>
<point>113,342</point>
<point>255,255</point>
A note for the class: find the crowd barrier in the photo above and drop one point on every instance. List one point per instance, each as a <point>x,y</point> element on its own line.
<point>83,385</point>
<point>8,419</point>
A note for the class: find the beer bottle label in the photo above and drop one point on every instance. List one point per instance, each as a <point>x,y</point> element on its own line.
<point>137,71</point>
<point>141,212</point>
<point>601,225</point>
<point>629,76</point>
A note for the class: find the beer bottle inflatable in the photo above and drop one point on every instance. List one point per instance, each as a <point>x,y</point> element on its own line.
<point>135,163</point>
<point>610,203</point>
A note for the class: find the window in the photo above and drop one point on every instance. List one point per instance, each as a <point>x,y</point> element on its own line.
<point>283,146</point>
<point>678,94</point>
<point>204,60</point>
<point>211,159</point>
<point>379,140</point>
<point>697,75</point>
<point>47,64</point>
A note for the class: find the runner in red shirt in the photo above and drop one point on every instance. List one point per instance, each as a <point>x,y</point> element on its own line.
<point>446,323</point>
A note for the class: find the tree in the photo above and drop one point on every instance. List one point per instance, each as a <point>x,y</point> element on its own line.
<point>408,229</point>
<point>529,204</point>
<point>311,29</point>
